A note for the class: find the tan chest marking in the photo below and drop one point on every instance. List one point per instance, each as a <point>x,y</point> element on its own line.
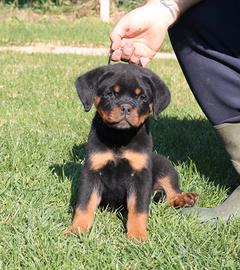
<point>137,161</point>
<point>100,159</point>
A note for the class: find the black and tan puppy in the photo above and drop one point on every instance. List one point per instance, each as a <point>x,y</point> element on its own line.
<point>120,167</point>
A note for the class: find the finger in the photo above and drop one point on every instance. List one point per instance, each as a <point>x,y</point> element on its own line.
<point>144,61</point>
<point>116,41</point>
<point>116,55</point>
<point>135,59</point>
<point>127,52</point>
<point>118,33</point>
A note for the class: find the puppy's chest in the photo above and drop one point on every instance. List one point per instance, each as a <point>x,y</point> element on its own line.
<point>121,161</point>
<point>117,169</point>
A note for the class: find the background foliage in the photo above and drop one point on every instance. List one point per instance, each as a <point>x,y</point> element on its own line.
<point>48,4</point>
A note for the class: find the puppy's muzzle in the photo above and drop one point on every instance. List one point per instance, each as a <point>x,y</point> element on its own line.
<point>126,109</point>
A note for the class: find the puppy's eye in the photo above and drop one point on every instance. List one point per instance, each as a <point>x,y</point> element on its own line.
<point>109,93</point>
<point>143,97</point>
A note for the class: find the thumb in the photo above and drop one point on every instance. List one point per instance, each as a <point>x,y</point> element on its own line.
<point>144,61</point>
<point>117,34</point>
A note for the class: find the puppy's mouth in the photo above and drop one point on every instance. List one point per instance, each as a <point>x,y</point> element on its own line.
<point>119,120</point>
<point>123,123</point>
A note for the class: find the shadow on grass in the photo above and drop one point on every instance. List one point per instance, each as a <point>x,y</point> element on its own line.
<point>195,141</point>
<point>71,169</point>
<point>182,141</point>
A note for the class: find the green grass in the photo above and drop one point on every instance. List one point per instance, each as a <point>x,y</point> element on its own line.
<point>83,32</point>
<point>43,130</point>
<point>19,29</point>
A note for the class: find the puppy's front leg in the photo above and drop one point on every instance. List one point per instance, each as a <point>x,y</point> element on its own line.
<point>138,206</point>
<point>89,197</point>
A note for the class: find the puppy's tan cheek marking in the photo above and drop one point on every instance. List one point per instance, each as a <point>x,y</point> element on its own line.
<point>137,222</point>
<point>96,101</point>
<point>111,117</point>
<point>103,114</point>
<point>115,114</point>
<point>143,118</point>
<point>138,161</point>
<point>99,160</point>
<point>116,88</point>
<point>83,219</point>
<point>137,120</point>
<point>134,118</point>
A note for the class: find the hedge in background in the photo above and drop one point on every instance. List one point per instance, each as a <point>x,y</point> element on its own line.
<point>129,4</point>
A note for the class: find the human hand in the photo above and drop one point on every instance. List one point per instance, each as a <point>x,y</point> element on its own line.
<point>139,34</point>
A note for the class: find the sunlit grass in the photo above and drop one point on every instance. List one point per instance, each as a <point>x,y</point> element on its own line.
<point>43,130</point>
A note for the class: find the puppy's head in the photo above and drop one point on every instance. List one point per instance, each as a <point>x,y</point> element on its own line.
<point>123,94</point>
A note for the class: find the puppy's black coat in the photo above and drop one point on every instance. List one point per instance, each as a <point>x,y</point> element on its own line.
<point>120,167</point>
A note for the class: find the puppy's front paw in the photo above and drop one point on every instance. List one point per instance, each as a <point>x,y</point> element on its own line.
<point>184,199</point>
<point>137,234</point>
<point>71,230</point>
<point>74,229</point>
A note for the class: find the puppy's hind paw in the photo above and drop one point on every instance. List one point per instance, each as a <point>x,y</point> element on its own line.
<point>184,199</point>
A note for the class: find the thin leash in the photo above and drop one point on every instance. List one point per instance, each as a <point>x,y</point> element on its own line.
<point>110,55</point>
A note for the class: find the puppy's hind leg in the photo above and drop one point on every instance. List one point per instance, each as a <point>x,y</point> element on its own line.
<point>165,178</point>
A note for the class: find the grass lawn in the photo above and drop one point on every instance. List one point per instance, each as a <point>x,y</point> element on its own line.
<point>84,32</point>
<point>43,130</point>
<point>80,32</point>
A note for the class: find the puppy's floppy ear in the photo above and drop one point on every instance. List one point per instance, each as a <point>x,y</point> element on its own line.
<point>161,95</point>
<point>86,86</point>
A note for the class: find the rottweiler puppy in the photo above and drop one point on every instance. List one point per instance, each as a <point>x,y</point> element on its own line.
<point>120,167</point>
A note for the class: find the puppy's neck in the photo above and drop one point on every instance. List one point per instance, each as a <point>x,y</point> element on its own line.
<point>116,137</point>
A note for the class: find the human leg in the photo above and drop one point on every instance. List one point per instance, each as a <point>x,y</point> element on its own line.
<point>207,45</point>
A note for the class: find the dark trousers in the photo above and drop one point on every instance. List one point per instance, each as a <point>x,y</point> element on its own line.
<point>206,40</point>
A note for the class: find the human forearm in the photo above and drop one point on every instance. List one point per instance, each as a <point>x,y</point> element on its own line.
<point>175,7</point>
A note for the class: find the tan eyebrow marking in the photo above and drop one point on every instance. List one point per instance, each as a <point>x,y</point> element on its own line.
<point>116,88</point>
<point>138,91</point>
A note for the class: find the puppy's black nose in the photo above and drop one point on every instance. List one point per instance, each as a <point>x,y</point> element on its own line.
<point>126,108</point>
